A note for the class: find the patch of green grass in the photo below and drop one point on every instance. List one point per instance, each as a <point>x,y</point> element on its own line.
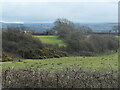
<point>50,39</point>
<point>103,62</point>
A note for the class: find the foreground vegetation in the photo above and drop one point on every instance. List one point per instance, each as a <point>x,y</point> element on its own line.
<point>67,78</point>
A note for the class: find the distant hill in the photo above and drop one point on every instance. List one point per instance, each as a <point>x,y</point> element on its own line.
<point>37,27</point>
<point>99,27</point>
<point>40,27</point>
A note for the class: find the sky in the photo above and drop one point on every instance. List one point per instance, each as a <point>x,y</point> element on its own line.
<point>48,12</point>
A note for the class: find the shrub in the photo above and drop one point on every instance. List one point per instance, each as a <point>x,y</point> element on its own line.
<point>103,43</point>
<point>6,58</point>
<point>42,53</point>
<point>51,53</point>
<point>18,43</point>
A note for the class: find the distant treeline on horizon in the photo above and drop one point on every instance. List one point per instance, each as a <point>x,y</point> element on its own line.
<point>41,27</point>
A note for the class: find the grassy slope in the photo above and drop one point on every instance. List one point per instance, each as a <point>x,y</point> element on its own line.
<point>50,40</point>
<point>104,62</point>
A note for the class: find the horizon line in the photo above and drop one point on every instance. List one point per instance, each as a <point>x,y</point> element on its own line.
<point>21,22</point>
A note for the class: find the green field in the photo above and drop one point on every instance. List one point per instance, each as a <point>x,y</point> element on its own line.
<point>50,40</point>
<point>104,62</point>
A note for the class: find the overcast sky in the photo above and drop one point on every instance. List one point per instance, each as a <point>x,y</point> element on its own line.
<point>50,11</point>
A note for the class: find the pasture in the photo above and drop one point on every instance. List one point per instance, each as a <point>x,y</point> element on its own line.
<point>102,62</point>
<point>50,39</point>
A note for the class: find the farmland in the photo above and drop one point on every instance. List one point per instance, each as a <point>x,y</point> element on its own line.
<point>98,71</point>
<point>50,40</point>
<point>80,71</point>
<point>104,62</point>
